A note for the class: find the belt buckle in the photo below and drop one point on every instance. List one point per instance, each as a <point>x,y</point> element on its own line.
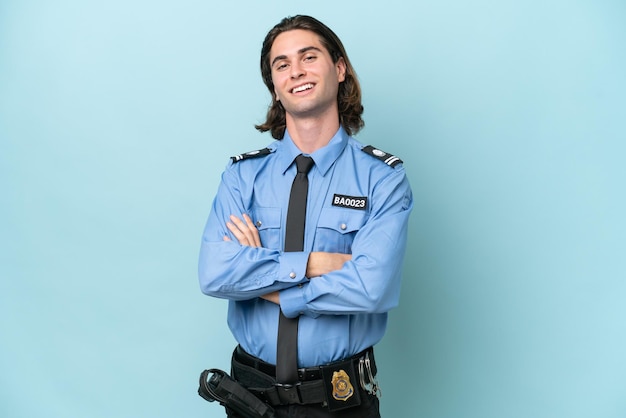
<point>289,393</point>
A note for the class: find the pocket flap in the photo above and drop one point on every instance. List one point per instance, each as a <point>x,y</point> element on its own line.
<point>342,220</point>
<point>266,218</point>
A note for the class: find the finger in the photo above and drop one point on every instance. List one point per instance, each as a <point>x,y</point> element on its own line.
<point>241,238</point>
<point>253,230</point>
<point>246,230</point>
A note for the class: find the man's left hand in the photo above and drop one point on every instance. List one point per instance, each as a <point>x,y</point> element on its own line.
<point>244,230</point>
<point>246,233</point>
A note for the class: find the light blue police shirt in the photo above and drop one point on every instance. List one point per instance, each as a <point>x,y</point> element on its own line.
<point>358,204</point>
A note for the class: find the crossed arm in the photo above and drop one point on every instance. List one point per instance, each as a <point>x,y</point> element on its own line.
<point>319,263</point>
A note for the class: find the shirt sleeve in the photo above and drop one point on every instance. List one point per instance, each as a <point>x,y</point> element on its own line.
<point>229,270</point>
<point>370,281</point>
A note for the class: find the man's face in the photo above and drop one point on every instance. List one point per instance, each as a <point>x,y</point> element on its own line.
<point>305,78</point>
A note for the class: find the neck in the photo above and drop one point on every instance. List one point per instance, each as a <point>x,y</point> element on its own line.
<point>311,134</point>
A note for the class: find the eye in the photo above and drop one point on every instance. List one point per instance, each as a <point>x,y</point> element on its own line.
<point>280,67</point>
<point>310,58</point>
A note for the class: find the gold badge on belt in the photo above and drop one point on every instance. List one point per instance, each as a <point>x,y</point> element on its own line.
<point>342,388</point>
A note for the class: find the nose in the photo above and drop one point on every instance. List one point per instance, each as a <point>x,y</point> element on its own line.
<point>297,70</point>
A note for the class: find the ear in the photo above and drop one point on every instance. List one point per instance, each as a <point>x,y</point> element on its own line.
<point>340,65</point>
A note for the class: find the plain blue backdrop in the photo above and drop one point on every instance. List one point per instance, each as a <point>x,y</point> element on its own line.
<point>117,118</point>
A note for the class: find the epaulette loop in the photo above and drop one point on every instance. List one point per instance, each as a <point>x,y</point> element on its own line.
<point>252,154</point>
<point>390,160</point>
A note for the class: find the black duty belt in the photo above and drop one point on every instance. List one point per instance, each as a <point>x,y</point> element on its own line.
<point>336,384</point>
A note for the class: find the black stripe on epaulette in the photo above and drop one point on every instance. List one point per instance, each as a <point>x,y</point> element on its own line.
<point>252,154</point>
<point>390,160</point>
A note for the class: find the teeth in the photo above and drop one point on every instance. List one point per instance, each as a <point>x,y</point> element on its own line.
<point>302,88</point>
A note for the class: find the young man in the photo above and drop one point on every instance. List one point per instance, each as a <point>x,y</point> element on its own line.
<point>336,285</point>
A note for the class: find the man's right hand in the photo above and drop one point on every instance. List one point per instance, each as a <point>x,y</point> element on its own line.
<point>321,263</point>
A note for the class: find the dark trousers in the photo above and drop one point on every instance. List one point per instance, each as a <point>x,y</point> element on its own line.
<point>368,409</point>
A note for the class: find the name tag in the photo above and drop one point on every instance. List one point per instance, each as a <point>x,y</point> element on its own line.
<point>351,202</point>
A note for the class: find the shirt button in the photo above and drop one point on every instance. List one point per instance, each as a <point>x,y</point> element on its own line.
<point>292,275</point>
<point>258,224</point>
<point>343,227</point>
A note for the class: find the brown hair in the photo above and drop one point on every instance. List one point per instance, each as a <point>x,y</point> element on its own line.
<point>348,96</point>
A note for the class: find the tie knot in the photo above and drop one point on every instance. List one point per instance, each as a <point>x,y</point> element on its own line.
<point>304,164</point>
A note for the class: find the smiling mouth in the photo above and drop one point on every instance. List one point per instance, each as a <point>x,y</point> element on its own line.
<point>301,88</point>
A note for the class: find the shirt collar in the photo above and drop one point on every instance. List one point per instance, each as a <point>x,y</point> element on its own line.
<point>323,157</point>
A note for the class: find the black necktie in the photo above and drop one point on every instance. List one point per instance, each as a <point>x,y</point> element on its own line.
<point>287,346</point>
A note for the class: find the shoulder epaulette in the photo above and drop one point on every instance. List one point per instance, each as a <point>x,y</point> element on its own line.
<point>390,160</point>
<point>252,154</point>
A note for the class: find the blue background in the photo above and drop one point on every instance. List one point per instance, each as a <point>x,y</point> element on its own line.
<point>117,118</point>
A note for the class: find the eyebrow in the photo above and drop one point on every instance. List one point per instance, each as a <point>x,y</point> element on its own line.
<point>300,52</point>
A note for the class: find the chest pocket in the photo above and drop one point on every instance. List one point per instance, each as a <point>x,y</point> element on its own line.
<point>336,229</point>
<point>268,221</point>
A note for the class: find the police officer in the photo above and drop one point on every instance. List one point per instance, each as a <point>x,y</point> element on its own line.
<point>346,278</point>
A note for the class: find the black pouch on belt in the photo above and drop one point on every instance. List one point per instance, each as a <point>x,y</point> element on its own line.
<point>230,394</point>
<point>342,385</point>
